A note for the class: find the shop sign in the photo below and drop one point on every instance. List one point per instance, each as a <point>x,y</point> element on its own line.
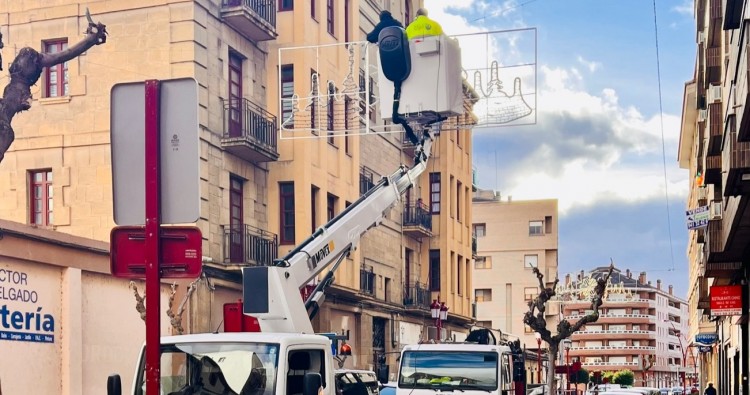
<point>706,338</point>
<point>22,316</point>
<point>726,300</point>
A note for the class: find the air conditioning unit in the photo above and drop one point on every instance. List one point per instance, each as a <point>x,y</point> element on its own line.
<point>702,193</point>
<point>715,210</point>
<point>702,115</point>
<point>432,333</point>
<point>714,93</point>
<point>701,37</point>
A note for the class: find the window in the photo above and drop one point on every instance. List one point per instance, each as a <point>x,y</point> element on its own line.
<point>313,362</point>
<point>435,193</point>
<point>314,207</point>
<point>483,262</point>
<point>535,228</point>
<point>459,266</point>
<point>346,21</point>
<point>312,9</point>
<point>330,15</point>
<point>56,77</point>
<point>434,270</point>
<point>529,293</point>
<point>331,206</point>
<point>480,230</point>
<point>451,202</point>
<point>286,5</point>
<point>330,114</point>
<point>548,224</point>
<point>483,295</point>
<point>286,208</point>
<point>40,188</point>
<point>530,261</point>
<point>236,220</point>
<point>235,95</point>
<point>287,91</point>
<point>459,192</point>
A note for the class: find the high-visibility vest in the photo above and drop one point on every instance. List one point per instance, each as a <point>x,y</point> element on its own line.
<point>423,26</point>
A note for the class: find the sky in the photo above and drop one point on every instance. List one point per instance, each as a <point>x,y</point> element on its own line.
<point>602,137</point>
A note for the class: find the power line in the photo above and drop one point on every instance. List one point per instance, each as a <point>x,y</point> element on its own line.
<point>663,145</point>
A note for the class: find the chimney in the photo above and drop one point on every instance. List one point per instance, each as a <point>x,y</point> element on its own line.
<point>581,276</point>
<point>567,279</point>
<point>628,274</point>
<point>670,289</point>
<point>658,284</point>
<point>642,278</point>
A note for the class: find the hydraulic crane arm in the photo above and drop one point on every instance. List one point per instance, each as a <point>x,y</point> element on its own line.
<point>271,294</point>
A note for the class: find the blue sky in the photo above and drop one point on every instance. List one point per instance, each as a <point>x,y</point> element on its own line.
<point>596,144</point>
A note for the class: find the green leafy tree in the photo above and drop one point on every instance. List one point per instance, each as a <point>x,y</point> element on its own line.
<point>580,377</point>
<point>608,377</point>
<point>624,377</point>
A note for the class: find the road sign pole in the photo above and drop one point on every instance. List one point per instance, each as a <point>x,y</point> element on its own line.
<point>152,242</point>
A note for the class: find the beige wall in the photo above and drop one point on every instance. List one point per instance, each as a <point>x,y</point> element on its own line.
<point>505,244</point>
<point>97,331</point>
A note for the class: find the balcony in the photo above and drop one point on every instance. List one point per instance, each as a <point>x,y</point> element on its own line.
<point>367,280</point>
<point>736,163</point>
<point>248,245</point>
<point>713,64</point>
<point>610,364</point>
<point>615,334</point>
<point>254,19</point>
<point>712,169</point>
<point>249,131</point>
<point>715,128</point>
<point>722,269</point>
<point>417,220</point>
<point>416,296</point>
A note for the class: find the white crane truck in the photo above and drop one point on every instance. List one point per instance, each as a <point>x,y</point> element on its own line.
<point>286,357</point>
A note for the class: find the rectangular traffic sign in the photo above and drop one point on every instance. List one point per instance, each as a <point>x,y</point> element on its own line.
<point>179,152</point>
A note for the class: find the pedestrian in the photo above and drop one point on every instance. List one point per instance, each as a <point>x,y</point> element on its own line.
<point>710,390</point>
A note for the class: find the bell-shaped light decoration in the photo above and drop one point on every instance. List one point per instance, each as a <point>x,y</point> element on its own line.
<point>443,311</point>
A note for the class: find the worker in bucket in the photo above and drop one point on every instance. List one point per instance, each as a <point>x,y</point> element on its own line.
<point>423,26</point>
<point>386,19</point>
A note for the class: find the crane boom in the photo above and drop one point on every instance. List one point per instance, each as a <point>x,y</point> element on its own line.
<point>271,294</point>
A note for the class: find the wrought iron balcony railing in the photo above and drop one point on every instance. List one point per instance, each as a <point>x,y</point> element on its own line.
<point>416,295</point>
<point>249,245</point>
<point>255,19</point>
<point>249,131</point>
<point>367,280</point>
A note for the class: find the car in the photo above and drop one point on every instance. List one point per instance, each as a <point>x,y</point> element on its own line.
<point>356,382</point>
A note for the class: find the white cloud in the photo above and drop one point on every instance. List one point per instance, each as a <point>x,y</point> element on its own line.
<point>592,66</point>
<point>686,8</point>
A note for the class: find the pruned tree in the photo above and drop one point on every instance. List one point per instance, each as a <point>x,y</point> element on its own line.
<point>25,71</point>
<point>535,319</point>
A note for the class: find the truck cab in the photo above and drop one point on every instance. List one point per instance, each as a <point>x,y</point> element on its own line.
<point>468,368</point>
<point>241,364</point>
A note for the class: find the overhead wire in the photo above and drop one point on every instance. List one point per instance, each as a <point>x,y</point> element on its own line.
<point>663,145</point>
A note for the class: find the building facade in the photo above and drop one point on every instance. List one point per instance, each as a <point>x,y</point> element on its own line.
<point>259,194</point>
<point>714,147</point>
<point>513,237</point>
<point>641,327</point>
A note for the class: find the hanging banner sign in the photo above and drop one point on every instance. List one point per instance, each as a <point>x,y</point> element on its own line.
<point>697,217</point>
<point>726,300</point>
<point>706,338</point>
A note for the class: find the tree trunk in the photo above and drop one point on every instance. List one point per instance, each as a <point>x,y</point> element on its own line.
<point>551,363</point>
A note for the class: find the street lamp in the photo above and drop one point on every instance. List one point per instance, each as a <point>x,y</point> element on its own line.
<point>439,312</point>
<point>683,350</point>
<point>538,356</point>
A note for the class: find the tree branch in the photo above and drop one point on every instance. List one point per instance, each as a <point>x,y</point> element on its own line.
<point>25,71</point>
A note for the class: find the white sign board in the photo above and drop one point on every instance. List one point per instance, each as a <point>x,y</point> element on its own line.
<point>179,150</point>
<point>697,217</point>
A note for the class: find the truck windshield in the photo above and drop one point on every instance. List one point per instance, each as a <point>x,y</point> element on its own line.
<point>453,369</point>
<point>216,368</point>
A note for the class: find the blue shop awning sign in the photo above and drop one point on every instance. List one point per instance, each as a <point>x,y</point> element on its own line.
<point>706,338</point>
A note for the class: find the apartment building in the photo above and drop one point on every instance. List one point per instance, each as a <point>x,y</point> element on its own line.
<point>714,146</point>
<point>259,194</point>
<point>642,327</point>
<point>513,237</point>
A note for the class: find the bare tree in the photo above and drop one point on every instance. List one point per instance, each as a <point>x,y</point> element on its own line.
<point>25,71</point>
<point>535,319</point>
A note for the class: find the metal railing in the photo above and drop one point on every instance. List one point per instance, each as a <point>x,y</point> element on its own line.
<point>249,245</point>
<point>366,181</point>
<point>617,331</point>
<point>577,316</point>
<point>265,9</point>
<point>416,295</point>
<point>588,348</point>
<point>416,214</point>
<point>243,118</point>
<point>610,363</point>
